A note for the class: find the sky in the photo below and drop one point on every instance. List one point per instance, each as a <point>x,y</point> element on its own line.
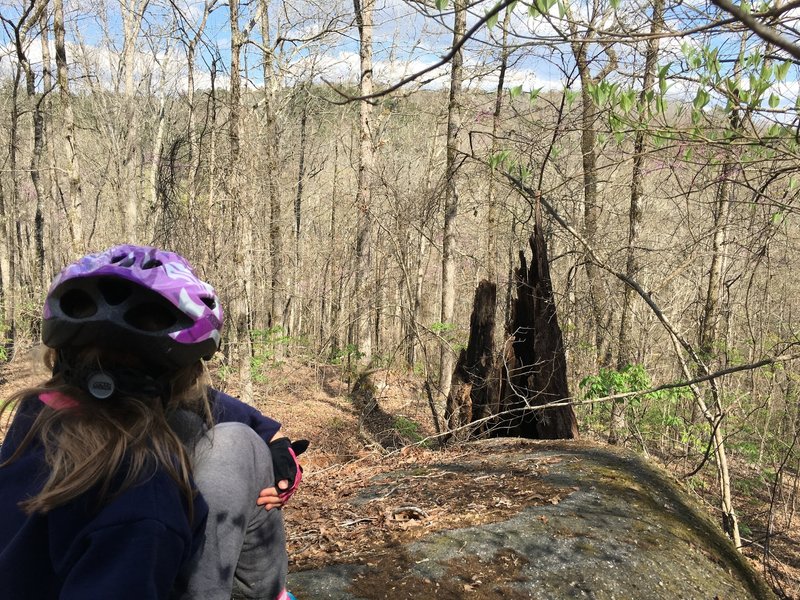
<point>320,42</point>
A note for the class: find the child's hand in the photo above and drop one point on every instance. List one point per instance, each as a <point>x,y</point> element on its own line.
<point>269,498</point>
<point>288,472</point>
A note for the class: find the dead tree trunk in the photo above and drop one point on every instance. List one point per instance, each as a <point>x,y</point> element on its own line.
<point>500,397</point>
<point>474,389</point>
<point>535,363</point>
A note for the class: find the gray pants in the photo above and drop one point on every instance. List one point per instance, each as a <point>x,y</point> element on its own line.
<point>244,551</point>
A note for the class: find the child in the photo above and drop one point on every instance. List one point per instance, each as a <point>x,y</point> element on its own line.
<point>124,475</point>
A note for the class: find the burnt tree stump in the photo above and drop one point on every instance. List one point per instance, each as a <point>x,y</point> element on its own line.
<point>499,396</point>
<point>474,390</point>
<point>535,364</point>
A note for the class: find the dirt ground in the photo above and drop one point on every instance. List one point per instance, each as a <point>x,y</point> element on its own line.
<point>358,433</point>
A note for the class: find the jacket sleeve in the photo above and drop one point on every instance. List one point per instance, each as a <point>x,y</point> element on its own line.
<point>225,409</point>
<point>138,560</point>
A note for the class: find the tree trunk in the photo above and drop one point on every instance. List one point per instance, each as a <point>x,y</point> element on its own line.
<point>474,388</point>
<point>536,369</point>
<point>492,259</point>
<point>75,201</point>
<point>194,142</point>
<point>451,194</point>
<point>132,16</point>
<point>241,222</point>
<point>37,125</point>
<point>298,204</point>
<point>626,354</point>
<point>581,42</point>
<point>361,330</point>
<point>276,230</point>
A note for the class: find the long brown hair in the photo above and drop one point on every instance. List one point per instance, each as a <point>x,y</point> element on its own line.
<point>107,446</point>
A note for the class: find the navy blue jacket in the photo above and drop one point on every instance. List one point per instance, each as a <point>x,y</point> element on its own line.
<point>131,548</point>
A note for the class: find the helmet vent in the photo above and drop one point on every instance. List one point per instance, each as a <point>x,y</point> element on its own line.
<point>152,264</point>
<point>114,291</point>
<point>209,302</point>
<point>77,304</point>
<point>150,317</point>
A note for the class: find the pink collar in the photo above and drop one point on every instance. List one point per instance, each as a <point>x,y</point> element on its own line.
<point>57,400</point>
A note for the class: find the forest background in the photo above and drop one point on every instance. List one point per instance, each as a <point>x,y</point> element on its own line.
<point>345,174</point>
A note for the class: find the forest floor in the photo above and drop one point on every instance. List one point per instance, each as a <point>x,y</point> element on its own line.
<point>358,434</point>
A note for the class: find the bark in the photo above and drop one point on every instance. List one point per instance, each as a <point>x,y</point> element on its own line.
<point>492,258</point>
<point>212,156</point>
<point>29,18</point>
<point>272,145</point>
<point>7,212</point>
<point>580,45</point>
<point>329,313</point>
<point>132,15</point>
<point>75,199</point>
<point>474,388</point>
<point>451,194</point>
<point>298,204</point>
<point>241,221</point>
<point>155,163</point>
<point>9,215</point>
<point>626,353</point>
<point>194,142</point>
<point>361,333</point>
<point>535,363</point>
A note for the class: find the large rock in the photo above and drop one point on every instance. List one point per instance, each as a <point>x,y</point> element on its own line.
<point>575,520</point>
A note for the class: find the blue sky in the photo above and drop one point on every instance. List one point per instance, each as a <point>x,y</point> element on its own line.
<point>405,40</point>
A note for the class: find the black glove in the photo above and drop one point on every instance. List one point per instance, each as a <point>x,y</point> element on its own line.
<point>285,465</point>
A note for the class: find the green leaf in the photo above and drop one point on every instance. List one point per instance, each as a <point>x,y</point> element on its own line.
<point>540,7</point>
<point>492,21</point>
<point>498,159</point>
<point>687,156</point>
<point>534,93</point>
<point>701,99</point>
<point>782,70</point>
<point>571,95</point>
<point>773,130</point>
<point>777,218</point>
<point>774,100</point>
<point>614,4</point>
<point>515,91</point>
<point>626,101</point>
<point>661,105</point>
<point>441,4</point>
<point>793,183</point>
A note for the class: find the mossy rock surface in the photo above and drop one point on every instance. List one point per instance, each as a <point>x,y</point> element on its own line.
<point>590,522</point>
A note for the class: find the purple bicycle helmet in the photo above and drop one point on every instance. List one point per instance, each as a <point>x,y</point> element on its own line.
<point>134,298</point>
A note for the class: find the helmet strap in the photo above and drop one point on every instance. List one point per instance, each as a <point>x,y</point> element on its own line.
<point>107,383</point>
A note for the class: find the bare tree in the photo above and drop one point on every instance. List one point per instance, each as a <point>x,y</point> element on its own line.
<point>454,108</point>
<point>625,354</point>
<point>362,332</point>
<point>75,195</point>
